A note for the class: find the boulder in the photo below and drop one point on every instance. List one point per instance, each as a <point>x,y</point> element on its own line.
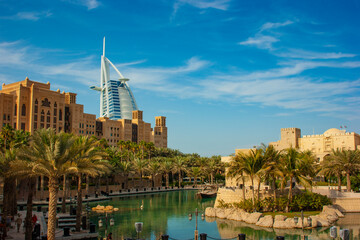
<point>253,217</point>
<point>328,217</point>
<point>266,221</point>
<point>320,222</point>
<point>236,215</point>
<point>314,222</point>
<point>228,211</point>
<point>280,218</point>
<point>210,212</point>
<point>245,215</point>
<point>340,214</point>
<point>290,222</point>
<point>220,213</point>
<point>280,224</point>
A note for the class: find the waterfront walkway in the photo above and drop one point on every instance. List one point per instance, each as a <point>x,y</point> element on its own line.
<point>13,234</point>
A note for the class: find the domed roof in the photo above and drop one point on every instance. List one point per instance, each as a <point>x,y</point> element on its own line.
<point>333,131</point>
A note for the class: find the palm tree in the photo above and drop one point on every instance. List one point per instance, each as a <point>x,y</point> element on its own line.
<point>140,165</point>
<point>153,168</point>
<point>49,155</point>
<point>250,164</point>
<point>291,164</point>
<point>212,166</point>
<point>125,168</point>
<point>179,166</point>
<point>350,162</point>
<point>89,161</point>
<point>272,158</point>
<point>329,166</point>
<point>167,167</point>
<point>195,172</point>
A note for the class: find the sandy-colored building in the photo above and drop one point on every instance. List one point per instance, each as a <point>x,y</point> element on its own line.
<point>319,144</point>
<point>30,105</point>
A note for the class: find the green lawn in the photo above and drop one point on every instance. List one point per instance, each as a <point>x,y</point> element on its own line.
<point>292,214</point>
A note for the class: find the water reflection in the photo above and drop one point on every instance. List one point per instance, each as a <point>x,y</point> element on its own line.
<point>167,213</point>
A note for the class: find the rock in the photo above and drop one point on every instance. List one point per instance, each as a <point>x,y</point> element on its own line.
<point>280,218</point>
<point>328,217</point>
<point>290,222</point>
<point>314,222</point>
<point>220,213</point>
<point>236,215</point>
<point>340,215</point>
<point>266,221</point>
<point>210,212</point>
<point>228,211</point>
<point>245,215</point>
<point>279,224</point>
<point>320,222</point>
<point>253,217</point>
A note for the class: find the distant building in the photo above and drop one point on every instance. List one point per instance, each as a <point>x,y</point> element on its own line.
<point>30,105</point>
<point>116,98</point>
<point>320,144</point>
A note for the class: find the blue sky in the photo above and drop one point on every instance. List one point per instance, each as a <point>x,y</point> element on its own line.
<point>226,73</point>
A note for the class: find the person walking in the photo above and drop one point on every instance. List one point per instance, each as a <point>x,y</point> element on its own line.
<point>18,222</point>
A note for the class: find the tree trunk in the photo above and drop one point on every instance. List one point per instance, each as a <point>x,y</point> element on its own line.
<point>180,178</point>
<point>63,204</point>
<point>253,191</point>
<point>212,178</point>
<point>274,189</point>
<point>53,191</point>
<point>79,204</point>
<point>126,181</point>
<point>29,205</point>
<point>87,184</point>
<point>167,179</point>
<point>107,184</point>
<point>339,182</point>
<point>244,190</point>
<point>13,209</point>
<point>152,180</point>
<point>289,196</point>
<point>258,193</point>
<point>5,210</point>
<point>348,182</point>
<point>41,187</point>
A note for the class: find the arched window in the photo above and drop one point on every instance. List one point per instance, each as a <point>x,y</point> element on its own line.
<point>23,110</point>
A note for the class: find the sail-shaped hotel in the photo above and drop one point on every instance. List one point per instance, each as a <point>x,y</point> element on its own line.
<point>116,98</point>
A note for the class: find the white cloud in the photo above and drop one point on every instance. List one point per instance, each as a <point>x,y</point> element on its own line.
<point>265,40</point>
<point>32,16</point>
<point>201,4</point>
<point>90,4</point>
<point>260,41</point>
<point>270,25</point>
<point>302,54</point>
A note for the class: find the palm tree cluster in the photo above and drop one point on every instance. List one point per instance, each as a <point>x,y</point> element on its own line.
<point>265,164</point>
<point>289,167</point>
<point>53,156</point>
<point>146,161</point>
<point>56,156</point>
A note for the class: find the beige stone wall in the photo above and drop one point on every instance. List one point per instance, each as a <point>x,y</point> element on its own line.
<point>347,204</point>
<point>320,144</point>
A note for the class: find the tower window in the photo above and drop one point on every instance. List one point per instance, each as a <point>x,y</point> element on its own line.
<point>23,110</point>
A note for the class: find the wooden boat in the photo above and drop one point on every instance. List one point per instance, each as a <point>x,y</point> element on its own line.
<point>208,192</point>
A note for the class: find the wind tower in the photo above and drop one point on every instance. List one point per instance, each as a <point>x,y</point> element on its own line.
<point>116,98</point>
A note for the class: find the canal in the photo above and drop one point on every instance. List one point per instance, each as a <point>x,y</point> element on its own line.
<point>167,213</point>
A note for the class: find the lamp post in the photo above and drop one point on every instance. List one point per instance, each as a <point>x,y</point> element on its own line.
<point>196,233</point>
<point>108,221</point>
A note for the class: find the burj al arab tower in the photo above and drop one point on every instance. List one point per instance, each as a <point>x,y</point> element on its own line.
<point>116,99</point>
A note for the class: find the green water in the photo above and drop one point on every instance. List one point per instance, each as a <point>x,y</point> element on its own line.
<point>167,213</point>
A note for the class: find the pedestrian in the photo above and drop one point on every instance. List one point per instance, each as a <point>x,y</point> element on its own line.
<point>18,222</point>
<point>109,237</point>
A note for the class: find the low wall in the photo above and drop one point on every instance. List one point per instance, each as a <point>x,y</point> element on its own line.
<point>345,201</point>
<point>347,204</point>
